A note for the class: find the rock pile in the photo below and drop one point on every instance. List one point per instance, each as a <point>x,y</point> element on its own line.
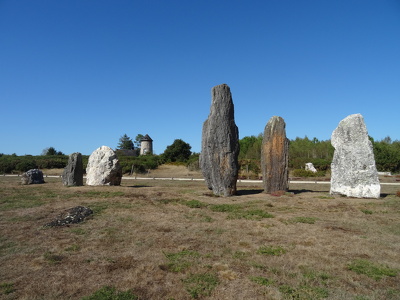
<point>275,156</point>
<point>220,144</point>
<point>353,167</point>
<point>103,168</point>
<point>71,216</point>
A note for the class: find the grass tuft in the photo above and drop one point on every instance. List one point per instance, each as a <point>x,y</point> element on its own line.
<point>261,280</point>
<point>194,204</point>
<point>304,292</point>
<point>110,293</point>
<point>7,288</point>
<point>200,285</point>
<point>272,250</point>
<point>305,220</point>
<point>368,268</point>
<point>179,261</point>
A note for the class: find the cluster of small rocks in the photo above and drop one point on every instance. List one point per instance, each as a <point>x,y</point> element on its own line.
<point>71,216</point>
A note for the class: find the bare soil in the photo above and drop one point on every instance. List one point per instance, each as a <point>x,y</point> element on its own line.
<point>153,236</point>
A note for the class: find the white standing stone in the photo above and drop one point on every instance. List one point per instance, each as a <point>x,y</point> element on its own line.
<point>353,167</point>
<point>310,167</point>
<point>103,168</point>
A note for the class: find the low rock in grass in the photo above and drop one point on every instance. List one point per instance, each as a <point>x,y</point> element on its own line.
<point>71,216</point>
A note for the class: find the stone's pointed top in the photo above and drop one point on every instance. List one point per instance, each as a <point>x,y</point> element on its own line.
<point>221,102</point>
<point>104,148</point>
<point>275,123</point>
<point>350,130</point>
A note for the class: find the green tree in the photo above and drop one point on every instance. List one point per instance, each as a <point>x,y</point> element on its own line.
<point>125,142</point>
<point>387,155</point>
<point>179,151</point>
<point>51,151</point>
<point>138,138</point>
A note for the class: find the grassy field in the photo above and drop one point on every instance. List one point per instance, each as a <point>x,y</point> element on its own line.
<point>153,239</point>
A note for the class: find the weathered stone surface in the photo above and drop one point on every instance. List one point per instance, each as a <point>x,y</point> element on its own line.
<point>33,176</point>
<point>275,156</point>
<point>310,167</point>
<point>353,167</point>
<point>73,172</point>
<point>103,168</point>
<point>220,144</point>
<point>71,216</point>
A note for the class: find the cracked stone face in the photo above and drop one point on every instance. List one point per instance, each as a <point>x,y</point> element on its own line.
<point>353,170</point>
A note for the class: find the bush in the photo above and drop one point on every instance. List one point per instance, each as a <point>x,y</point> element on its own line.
<point>25,166</point>
<point>306,173</point>
<point>139,164</point>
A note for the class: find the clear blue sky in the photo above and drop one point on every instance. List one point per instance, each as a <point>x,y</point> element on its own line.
<point>76,75</point>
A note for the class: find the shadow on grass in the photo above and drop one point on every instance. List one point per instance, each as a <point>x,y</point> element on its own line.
<point>139,186</point>
<point>248,192</point>
<point>302,191</point>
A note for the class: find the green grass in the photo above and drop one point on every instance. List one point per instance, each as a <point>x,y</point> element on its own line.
<point>236,211</point>
<point>194,204</point>
<point>21,200</point>
<point>303,292</point>
<point>6,288</point>
<point>271,250</point>
<point>99,207</point>
<point>101,194</point>
<point>251,214</point>
<point>261,280</point>
<point>305,220</point>
<point>6,246</point>
<point>110,293</point>
<point>370,269</point>
<point>367,211</point>
<point>180,261</point>
<point>52,258</point>
<point>78,231</point>
<point>200,285</point>
<point>225,207</point>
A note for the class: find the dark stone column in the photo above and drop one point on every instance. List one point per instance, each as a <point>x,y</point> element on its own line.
<point>275,156</point>
<point>220,144</point>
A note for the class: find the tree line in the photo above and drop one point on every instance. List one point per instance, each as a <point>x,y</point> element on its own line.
<point>301,151</point>
<point>179,152</point>
<point>318,152</point>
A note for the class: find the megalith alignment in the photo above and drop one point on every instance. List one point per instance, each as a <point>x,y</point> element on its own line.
<point>275,156</point>
<point>220,144</point>
<point>353,170</point>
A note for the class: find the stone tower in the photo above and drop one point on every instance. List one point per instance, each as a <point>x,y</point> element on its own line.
<point>146,145</point>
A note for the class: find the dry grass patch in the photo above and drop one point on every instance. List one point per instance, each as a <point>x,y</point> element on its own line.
<point>170,240</point>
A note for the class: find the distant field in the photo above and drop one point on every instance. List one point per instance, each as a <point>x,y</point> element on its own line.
<point>152,239</point>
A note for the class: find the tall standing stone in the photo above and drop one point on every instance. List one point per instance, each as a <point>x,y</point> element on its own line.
<point>103,168</point>
<point>275,156</point>
<point>220,144</point>
<point>73,172</point>
<point>353,167</point>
